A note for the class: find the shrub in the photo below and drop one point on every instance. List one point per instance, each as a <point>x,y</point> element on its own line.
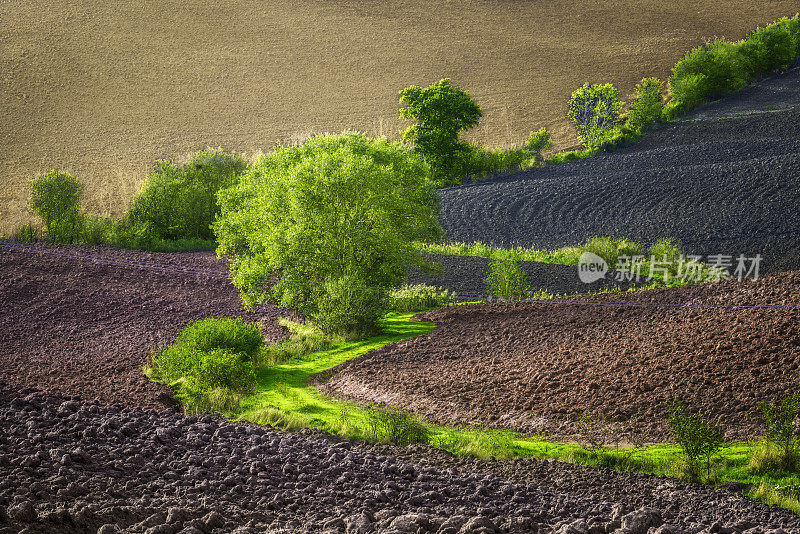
<point>595,111</point>
<point>233,335</point>
<point>97,231</point>
<point>56,199</point>
<point>398,428</point>
<point>441,111</point>
<point>771,48</point>
<point>413,298</point>
<point>706,71</point>
<point>304,340</point>
<point>507,280</point>
<point>647,106</point>
<point>538,142</point>
<point>197,353</point>
<point>27,233</point>
<point>179,202</point>
<point>610,249</point>
<point>570,155</point>
<point>328,227</point>
<point>780,450</point>
<point>698,437</point>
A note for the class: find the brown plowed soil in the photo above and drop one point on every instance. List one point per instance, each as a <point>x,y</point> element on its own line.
<point>721,348</point>
<point>83,320</point>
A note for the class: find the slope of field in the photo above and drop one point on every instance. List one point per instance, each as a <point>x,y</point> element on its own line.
<point>724,181</point>
<point>83,320</point>
<point>722,348</point>
<point>103,90</point>
<point>68,466</point>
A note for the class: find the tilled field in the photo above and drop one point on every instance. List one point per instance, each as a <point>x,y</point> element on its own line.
<point>724,181</point>
<point>721,348</point>
<point>83,320</point>
<point>71,466</point>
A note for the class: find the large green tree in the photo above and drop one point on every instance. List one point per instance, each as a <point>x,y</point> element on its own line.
<point>327,227</point>
<point>441,111</point>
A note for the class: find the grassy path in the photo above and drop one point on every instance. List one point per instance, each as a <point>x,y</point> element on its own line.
<point>285,399</point>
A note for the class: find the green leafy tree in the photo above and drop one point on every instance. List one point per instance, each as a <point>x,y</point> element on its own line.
<point>56,199</point>
<point>441,111</point>
<point>699,438</point>
<point>595,110</point>
<point>326,228</point>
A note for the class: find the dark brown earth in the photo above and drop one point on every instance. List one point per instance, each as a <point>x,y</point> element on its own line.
<point>721,348</point>
<point>83,320</point>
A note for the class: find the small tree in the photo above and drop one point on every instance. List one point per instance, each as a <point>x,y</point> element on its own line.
<point>699,438</point>
<point>327,228</point>
<point>56,199</point>
<point>595,111</point>
<point>441,111</point>
<point>507,280</point>
<point>647,106</point>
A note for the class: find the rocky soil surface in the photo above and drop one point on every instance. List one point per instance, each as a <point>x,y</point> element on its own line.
<point>726,180</point>
<point>71,466</point>
<point>720,347</point>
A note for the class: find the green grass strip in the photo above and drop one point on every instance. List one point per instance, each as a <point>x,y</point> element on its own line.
<point>285,399</point>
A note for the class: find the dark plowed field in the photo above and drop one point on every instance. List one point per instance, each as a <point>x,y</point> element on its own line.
<point>68,466</point>
<point>83,320</point>
<point>724,181</point>
<point>722,348</point>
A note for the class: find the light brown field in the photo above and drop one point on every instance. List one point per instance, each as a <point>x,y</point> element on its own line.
<point>104,89</point>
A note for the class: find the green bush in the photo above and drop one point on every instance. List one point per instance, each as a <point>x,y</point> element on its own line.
<point>570,155</point>
<point>56,199</point>
<point>304,340</point>
<point>610,249</point>
<point>412,298</point>
<point>398,428</point>
<point>327,227</point>
<point>647,106</point>
<point>441,111</point>
<point>781,448</point>
<point>507,280</point>
<point>179,202</point>
<point>230,334</point>
<point>719,66</point>
<point>595,110</point>
<point>211,363</point>
<point>97,231</point>
<point>706,71</point>
<point>27,233</point>
<point>698,437</point>
<point>479,163</point>
<point>771,48</point>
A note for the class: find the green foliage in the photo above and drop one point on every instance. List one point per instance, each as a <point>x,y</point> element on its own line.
<point>719,66</point>
<point>97,230</point>
<point>611,248</point>
<point>781,448</point>
<point>56,199</point>
<point>410,298</point>
<point>570,155</point>
<point>27,233</point>
<point>398,428</point>
<point>647,106</point>
<point>441,111</point>
<point>211,363</point>
<point>327,228</point>
<point>595,110</point>
<point>507,280</point>
<point>479,163</point>
<point>698,437</point>
<point>179,202</point>
<point>304,339</point>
